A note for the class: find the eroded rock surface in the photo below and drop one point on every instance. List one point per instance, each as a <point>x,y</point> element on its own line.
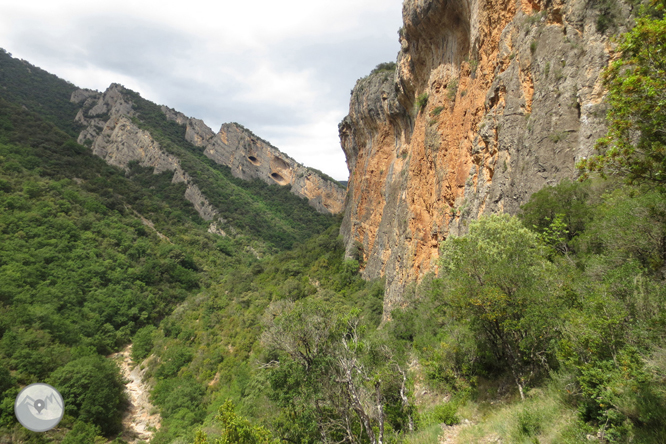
<point>251,157</point>
<point>140,421</point>
<point>112,135</point>
<point>490,101</point>
<point>117,140</point>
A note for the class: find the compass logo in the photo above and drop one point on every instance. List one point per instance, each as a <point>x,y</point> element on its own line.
<point>39,407</point>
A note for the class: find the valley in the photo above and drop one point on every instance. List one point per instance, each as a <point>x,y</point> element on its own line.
<point>492,271</point>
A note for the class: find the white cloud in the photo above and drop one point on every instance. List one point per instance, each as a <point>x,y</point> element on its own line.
<point>283,69</point>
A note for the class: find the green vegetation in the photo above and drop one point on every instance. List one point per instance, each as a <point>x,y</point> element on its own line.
<point>38,91</point>
<point>570,311</point>
<point>384,67</point>
<point>421,102</point>
<point>437,111</point>
<point>558,136</point>
<point>384,70</point>
<point>452,89</point>
<point>79,272</point>
<point>242,334</point>
<point>542,327</point>
<point>268,213</point>
<point>473,66</point>
<point>81,275</point>
<point>607,14</point>
<point>327,177</point>
<point>635,144</point>
<point>92,391</point>
<point>236,429</point>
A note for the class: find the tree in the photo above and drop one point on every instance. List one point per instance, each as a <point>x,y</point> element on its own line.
<point>142,343</point>
<point>497,277</point>
<point>83,433</point>
<point>92,390</point>
<point>635,145</point>
<point>567,201</point>
<point>330,372</point>
<point>236,429</point>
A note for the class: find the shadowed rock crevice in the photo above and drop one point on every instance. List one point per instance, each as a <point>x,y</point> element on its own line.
<point>254,160</point>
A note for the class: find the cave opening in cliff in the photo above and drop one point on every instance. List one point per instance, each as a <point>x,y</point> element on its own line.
<point>279,179</point>
<point>253,160</point>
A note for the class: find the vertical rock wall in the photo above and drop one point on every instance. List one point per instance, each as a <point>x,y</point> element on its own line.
<point>490,101</point>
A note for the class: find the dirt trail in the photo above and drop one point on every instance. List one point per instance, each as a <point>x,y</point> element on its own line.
<point>137,422</point>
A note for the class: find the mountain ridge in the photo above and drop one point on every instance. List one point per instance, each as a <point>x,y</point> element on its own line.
<point>248,156</point>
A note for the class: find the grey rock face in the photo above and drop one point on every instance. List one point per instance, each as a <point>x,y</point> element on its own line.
<point>119,141</point>
<point>490,101</point>
<point>110,133</point>
<point>122,142</point>
<point>250,157</point>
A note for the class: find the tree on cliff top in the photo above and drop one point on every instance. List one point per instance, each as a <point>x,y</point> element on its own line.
<point>635,145</point>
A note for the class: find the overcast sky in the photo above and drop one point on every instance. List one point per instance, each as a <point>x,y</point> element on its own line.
<point>284,69</point>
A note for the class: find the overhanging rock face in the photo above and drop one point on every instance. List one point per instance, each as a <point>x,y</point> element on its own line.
<point>489,102</point>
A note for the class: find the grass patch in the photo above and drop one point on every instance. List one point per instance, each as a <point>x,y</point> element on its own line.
<point>427,435</point>
<point>542,418</point>
<point>558,136</point>
<point>452,89</point>
<point>421,102</point>
<point>437,111</point>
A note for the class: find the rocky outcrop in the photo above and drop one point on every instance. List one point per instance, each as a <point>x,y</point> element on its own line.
<point>112,135</point>
<point>251,157</point>
<point>489,102</point>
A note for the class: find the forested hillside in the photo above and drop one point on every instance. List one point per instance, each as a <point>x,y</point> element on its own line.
<point>90,254</point>
<point>38,91</point>
<point>543,327</point>
<point>270,216</point>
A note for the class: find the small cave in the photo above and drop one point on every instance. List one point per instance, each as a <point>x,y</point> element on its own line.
<point>279,179</point>
<point>253,160</point>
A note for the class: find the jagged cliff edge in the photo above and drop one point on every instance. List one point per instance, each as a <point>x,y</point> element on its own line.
<point>489,102</point>
<point>112,135</point>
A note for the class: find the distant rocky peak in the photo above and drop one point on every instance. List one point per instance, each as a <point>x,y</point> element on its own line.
<point>251,157</point>
<point>247,155</point>
<point>113,102</point>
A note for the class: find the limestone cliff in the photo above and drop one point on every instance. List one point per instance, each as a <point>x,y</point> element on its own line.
<point>112,135</point>
<point>489,102</point>
<point>116,139</point>
<point>251,157</point>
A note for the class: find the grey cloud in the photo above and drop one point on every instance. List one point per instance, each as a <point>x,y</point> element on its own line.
<point>174,66</point>
<point>134,47</point>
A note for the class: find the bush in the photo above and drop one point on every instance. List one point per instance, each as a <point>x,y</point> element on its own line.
<point>421,102</point>
<point>142,343</point>
<point>180,396</point>
<point>173,360</point>
<point>446,413</point>
<point>384,67</point>
<point>498,278</point>
<point>93,391</point>
<point>83,433</point>
<point>529,423</point>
